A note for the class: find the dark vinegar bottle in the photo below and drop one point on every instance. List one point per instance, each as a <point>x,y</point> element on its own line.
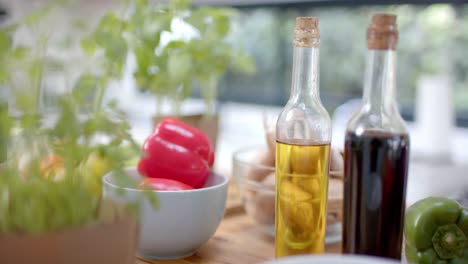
<point>376,154</point>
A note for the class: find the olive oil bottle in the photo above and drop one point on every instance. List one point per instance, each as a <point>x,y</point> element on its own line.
<point>303,133</point>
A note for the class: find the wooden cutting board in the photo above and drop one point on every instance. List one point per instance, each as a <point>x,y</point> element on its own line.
<point>238,240</point>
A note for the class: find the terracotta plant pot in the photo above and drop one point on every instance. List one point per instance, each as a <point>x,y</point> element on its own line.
<point>207,124</point>
<point>96,244</point>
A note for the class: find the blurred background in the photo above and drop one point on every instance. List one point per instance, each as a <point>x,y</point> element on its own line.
<point>432,71</point>
<point>433,42</point>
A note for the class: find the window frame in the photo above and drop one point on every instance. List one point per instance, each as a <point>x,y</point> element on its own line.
<point>460,116</point>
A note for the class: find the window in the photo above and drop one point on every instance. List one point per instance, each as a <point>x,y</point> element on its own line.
<point>430,35</point>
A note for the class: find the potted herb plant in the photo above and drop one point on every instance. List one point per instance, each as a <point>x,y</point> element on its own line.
<point>176,47</point>
<point>51,210</point>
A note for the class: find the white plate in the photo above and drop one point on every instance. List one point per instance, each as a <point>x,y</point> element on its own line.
<point>332,259</point>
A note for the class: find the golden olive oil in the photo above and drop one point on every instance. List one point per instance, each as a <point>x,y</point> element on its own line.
<point>301,198</point>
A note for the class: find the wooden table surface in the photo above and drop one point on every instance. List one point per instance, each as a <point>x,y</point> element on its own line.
<point>237,240</point>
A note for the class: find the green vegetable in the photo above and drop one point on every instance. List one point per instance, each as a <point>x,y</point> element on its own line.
<point>436,231</point>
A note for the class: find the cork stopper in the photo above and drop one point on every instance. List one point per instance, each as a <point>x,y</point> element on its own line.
<point>306,34</point>
<point>382,32</point>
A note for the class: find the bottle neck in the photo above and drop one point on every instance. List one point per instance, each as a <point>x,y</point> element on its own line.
<point>305,75</point>
<point>379,88</point>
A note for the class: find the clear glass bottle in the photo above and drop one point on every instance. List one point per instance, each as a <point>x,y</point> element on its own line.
<point>303,134</point>
<point>376,154</point>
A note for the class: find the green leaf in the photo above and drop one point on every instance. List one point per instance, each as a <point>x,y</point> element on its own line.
<point>84,88</point>
<point>20,52</point>
<point>5,124</point>
<point>199,49</point>
<point>222,25</point>
<point>179,66</point>
<point>110,23</point>
<point>140,5</point>
<point>175,44</point>
<point>88,46</point>
<point>209,20</point>
<point>115,68</point>
<point>149,26</point>
<point>67,123</point>
<point>115,48</point>
<point>143,56</point>
<point>198,19</point>
<point>5,41</point>
<point>160,84</point>
<point>114,45</point>
<point>25,101</point>
<point>244,64</point>
<point>152,40</point>
<point>142,80</point>
<point>3,76</point>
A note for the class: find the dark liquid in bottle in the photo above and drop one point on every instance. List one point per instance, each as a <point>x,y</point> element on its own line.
<point>376,166</point>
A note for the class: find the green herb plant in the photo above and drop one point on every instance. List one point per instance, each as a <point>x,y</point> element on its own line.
<point>175,47</point>
<point>47,157</point>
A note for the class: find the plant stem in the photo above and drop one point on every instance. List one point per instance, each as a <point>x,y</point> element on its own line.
<point>177,100</point>
<point>100,94</point>
<point>37,79</point>
<point>210,94</point>
<point>178,106</point>
<point>97,106</point>
<point>4,130</point>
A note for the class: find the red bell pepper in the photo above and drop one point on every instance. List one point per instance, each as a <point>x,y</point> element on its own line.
<point>179,152</point>
<point>159,184</point>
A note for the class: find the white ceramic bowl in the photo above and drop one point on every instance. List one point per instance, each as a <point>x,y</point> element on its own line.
<point>332,259</point>
<point>182,223</point>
